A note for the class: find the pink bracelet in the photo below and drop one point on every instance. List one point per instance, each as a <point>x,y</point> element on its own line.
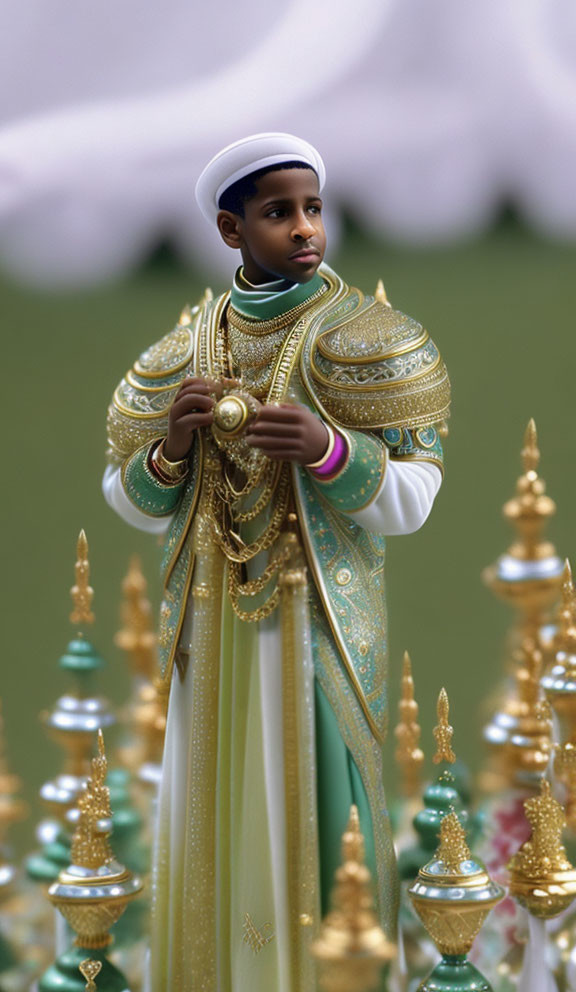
<point>334,463</point>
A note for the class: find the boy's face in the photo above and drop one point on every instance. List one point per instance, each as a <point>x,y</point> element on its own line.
<point>281,234</point>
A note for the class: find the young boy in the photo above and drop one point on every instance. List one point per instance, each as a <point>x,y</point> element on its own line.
<point>279,433</point>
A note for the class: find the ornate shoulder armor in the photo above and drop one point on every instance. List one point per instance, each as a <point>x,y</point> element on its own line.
<point>139,410</point>
<point>377,368</point>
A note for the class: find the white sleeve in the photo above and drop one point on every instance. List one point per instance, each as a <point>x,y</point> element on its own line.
<point>404,499</point>
<point>116,498</point>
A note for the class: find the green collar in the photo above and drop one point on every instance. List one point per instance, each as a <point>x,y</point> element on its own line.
<point>271,299</point>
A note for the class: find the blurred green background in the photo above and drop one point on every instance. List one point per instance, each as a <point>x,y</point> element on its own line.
<point>502,311</point>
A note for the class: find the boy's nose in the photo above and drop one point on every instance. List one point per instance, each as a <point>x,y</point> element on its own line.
<point>303,229</point>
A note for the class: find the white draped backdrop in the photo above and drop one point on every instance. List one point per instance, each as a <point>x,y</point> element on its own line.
<point>429,113</point>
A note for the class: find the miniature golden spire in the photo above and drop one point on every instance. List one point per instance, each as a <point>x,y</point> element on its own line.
<point>526,748</point>
<point>443,732</point>
<point>12,809</point>
<point>409,755</point>
<point>453,849</point>
<point>185,317</point>
<point>90,970</point>
<point>352,947</point>
<point>208,295</point>
<point>137,637</point>
<point>530,509</point>
<point>530,452</point>
<point>82,592</point>
<point>90,847</point>
<point>565,637</point>
<point>541,877</point>
<point>380,294</point>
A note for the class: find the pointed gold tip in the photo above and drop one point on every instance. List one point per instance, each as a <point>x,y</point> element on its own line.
<point>443,705</point>
<point>82,592</point>
<point>352,839</point>
<point>82,545</point>
<point>408,754</point>
<point>530,451</point>
<point>208,295</point>
<point>101,750</point>
<point>406,665</point>
<point>380,294</point>
<point>443,732</point>
<point>354,820</point>
<point>185,317</point>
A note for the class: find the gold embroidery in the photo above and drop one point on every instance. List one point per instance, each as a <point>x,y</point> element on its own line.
<point>256,939</point>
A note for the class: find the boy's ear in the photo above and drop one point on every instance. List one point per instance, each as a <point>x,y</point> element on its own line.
<point>230,227</point>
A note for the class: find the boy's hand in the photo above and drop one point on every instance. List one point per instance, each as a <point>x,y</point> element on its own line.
<point>191,409</point>
<point>288,432</point>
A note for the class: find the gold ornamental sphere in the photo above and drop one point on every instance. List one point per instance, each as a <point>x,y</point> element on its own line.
<point>231,415</point>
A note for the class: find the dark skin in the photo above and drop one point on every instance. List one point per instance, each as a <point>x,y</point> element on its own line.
<point>281,236</point>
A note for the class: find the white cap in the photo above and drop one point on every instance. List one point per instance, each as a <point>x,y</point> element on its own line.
<point>257,151</point>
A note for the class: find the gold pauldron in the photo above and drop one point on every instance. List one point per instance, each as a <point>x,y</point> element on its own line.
<point>233,413</point>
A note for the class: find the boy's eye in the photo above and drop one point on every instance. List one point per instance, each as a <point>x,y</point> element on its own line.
<point>314,208</point>
<point>276,212</point>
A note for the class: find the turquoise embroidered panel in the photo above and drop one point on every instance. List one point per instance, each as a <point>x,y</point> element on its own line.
<point>417,442</point>
<point>350,561</point>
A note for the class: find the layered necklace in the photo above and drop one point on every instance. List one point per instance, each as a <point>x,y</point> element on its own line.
<point>247,484</point>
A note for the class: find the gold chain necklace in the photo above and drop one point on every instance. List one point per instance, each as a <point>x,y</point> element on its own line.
<point>259,328</point>
<point>271,478</point>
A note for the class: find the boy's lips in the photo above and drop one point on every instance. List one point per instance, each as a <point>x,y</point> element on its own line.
<point>304,255</point>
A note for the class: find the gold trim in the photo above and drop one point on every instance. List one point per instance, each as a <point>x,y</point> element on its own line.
<point>198,486</point>
<point>129,378</point>
<point>392,352</point>
<point>351,316</point>
<point>175,368</point>
<point>136,414</point>
<point>402,384</point>
<point>166,680</point>
<point>325,600</point>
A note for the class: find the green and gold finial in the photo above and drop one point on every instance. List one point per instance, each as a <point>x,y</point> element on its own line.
<point>541,876</point>
<point>90,847</point>
<point>443,732</point>
<point>90,970</point>
<point>352,947</point>
<point>185,317</point>
<point>452,895</point>
<point>380,294</point>
<point>409,754</point>
<point>82,592</point>
<point>530,451</point>
<point>453,849</point>
<point>92,892</point>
